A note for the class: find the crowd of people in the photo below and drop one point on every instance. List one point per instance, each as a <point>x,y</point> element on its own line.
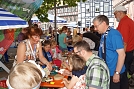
<point>100,58</point>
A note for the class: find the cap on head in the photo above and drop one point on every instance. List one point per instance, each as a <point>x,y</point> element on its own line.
<point>119,8</point>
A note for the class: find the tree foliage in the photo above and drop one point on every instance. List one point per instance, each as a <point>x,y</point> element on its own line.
<point>42,12</point>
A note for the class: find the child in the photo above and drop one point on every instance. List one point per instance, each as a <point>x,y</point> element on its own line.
<point>45,49</point>
<point>26,75</point>
<point>55,52</point>
<point>78,67</point>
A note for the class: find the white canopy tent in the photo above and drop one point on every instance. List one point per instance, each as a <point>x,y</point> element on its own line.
<point>51,19</point>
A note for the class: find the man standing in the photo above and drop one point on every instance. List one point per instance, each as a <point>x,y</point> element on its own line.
<point>126,28</point>
<point>112,51</point>
<point>97,73</point>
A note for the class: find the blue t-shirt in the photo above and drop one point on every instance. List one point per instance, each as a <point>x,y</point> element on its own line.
<point>114,41</point>
<point>49,56</point>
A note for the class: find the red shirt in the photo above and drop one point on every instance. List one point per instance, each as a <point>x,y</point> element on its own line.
<point>126,28</point>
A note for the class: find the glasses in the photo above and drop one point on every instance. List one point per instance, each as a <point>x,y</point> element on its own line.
<point>77,52</point>
<point>97,25</point>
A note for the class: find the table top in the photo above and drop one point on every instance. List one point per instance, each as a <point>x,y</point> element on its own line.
<point>57,83</point>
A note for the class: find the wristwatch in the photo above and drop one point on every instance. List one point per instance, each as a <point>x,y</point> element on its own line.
<point>116,72</point>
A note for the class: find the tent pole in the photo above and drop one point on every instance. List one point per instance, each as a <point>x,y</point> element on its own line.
<point>55,20</point>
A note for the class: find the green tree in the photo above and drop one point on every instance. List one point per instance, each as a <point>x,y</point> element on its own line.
<point>41,13</point>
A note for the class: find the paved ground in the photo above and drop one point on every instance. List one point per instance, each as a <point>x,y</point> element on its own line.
<point>3,73</point>
<point>11,53</point>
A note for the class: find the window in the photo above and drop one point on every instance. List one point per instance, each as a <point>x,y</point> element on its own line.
<point>87,10</point>
<point>74,18</point>
<point>70,18</point>
<point>106,7</point>
<point>97,7</point>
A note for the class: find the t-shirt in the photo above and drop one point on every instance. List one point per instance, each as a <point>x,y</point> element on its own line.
<point>47,55</point>
<point>21,37</point>
<point>69,38</point>
<point>114,42</point>
<point>61,40</point>
<point>126,28</point>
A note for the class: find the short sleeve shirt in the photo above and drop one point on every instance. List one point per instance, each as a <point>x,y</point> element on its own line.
<point>97,74</point>
<point>61,40</point>
<point>49,56</point>
<point>126,28</point>
<point>114,41</point>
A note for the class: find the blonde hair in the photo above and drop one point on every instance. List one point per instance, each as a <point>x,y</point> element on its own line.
<point>25,75</point>
<point>53,42</point>
<point>76,39</point>
<point>77,62</point>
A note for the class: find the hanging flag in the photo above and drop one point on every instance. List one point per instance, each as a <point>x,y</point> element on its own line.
<point>22,8</point>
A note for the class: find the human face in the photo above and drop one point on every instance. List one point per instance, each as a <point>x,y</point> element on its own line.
<point>53,46</point>
<point>35,38</point>
<point>68,33</point>
<point>117,15</point>
<point>66,30</point>
<point>76,51</point>
<point>98,26</point>
<point>70,66</point>
<point>47,48</point>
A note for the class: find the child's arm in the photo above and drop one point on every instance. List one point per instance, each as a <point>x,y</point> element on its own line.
<point>64,64</point>
<point>70,84</point>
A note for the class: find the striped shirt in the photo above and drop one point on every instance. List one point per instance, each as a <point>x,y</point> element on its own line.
<point>97,74</point>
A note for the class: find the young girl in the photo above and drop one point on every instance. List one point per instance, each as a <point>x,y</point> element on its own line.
<point>55,52</point>
<point>78,67</point>
<point>46,47</point>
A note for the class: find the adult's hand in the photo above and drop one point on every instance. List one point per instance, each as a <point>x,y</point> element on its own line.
<point>116,78</point>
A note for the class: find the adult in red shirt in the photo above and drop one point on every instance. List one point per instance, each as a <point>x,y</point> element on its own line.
<point>126,28</point>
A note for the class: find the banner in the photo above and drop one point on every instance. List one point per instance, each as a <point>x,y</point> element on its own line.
<point>22,8</point>
<point>6,39</point>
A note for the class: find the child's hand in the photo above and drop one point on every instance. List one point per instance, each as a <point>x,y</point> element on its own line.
<point>67,73</point>
<point>65,81</point>
<point>65,65</point>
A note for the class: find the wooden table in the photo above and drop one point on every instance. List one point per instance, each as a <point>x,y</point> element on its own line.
<point>57,84</point>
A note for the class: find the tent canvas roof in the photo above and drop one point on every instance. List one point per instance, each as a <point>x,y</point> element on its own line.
<point>51,19</point>
<point>9,20</point>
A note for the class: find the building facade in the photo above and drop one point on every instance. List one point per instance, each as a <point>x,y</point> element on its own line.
<point>84,13</point>
<point>68,13</point>
<point>92,8</point>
